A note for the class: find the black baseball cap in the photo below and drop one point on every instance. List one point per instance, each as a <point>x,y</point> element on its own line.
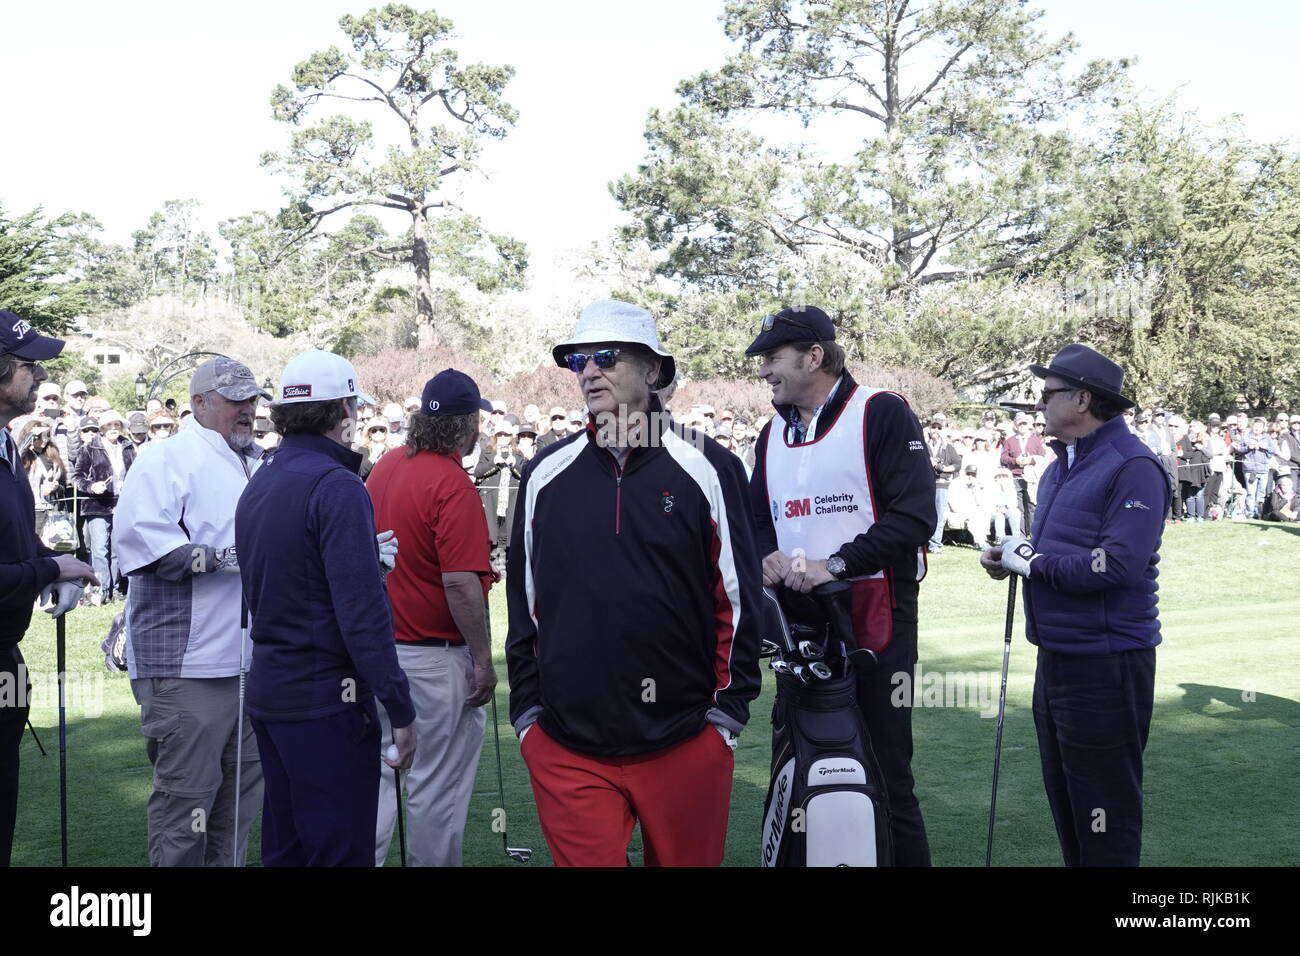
<point>452,393</point>
<point>800,323</point>
<point>18,338</point>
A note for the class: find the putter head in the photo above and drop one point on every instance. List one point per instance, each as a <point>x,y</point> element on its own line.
<point>519,854</point>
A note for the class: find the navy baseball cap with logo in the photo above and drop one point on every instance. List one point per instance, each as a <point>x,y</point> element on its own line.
<point>452,393</point>
<point>18,338</point>
<point>800,323</point>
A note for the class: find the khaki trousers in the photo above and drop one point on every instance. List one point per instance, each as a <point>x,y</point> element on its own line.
<point>189,727</point>
<point>439,783</point>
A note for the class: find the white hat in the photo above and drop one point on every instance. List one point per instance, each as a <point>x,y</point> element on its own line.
<point>394,412</point>
<point>74,387</point>
<point>48,388</point>
<point>317,376</point>
<point>608,320</point>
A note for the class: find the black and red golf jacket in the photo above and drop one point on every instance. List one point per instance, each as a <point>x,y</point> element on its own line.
<point>634,593</point>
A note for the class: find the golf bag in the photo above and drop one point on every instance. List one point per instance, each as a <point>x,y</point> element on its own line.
<point>826,803</point>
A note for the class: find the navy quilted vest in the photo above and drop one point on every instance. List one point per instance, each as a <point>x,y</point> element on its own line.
<point>1068,521</point>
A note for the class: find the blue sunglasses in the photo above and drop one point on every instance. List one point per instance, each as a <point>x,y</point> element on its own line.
<point>605,358</point>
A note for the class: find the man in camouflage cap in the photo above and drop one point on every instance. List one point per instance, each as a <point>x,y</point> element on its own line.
<point>174,534</point>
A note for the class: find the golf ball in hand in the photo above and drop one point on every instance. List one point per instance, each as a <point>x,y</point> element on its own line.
<point>391,752</point>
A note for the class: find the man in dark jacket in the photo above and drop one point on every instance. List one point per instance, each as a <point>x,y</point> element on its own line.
<point>842,473</point>
<point>322,629</point>
<point>1022,451</point>
<point>28,569</point>
<point>102,463</point>
<point>634,593</point>
<point>1090,607</point>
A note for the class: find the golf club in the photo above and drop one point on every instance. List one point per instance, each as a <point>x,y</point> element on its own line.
<point>1002,708</point>
<point>239,729</point>
<point>810,650</point>
<point>780,665</point>
<point>61,662</point>
<point>820,670</point>
<point>518,853</point>
<point>392,754</point>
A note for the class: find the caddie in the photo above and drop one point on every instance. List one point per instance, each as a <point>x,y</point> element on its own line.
<point>842,472</point>
<point>174,535</point>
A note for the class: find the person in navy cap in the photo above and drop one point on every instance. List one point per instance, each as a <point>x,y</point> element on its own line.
<point>321,627</point>
<point>861,454</point>
<point>1090,606</point>
<point>28,569</point>
<point>437,593</point>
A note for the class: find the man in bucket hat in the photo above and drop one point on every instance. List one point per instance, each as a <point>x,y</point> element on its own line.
<point>633,588</point>
<point>1090,607</point>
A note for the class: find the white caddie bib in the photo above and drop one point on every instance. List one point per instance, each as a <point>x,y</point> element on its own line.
<point>820,492</point>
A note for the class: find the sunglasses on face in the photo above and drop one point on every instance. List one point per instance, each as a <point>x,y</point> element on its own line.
<point>605,358</point>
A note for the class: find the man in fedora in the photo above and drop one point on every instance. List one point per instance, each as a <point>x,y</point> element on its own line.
<point>1090,607</point>
<point>633,587</point>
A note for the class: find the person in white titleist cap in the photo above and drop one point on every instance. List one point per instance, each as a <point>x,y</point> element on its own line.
<point>321,627</point>
<point>174,535</point>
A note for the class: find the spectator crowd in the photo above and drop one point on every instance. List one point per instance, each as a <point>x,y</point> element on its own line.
<point>1237,468</point>
<point>77,452</point>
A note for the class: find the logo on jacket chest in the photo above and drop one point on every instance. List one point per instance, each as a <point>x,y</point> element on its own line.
<point>666,499</point>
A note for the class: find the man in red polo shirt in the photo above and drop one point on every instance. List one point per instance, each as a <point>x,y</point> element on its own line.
<point>437,592</point>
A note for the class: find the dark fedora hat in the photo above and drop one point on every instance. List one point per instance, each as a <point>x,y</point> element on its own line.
<point>1084,368</point>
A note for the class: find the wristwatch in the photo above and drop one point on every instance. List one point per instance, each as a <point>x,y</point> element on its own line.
<point>836,566</point>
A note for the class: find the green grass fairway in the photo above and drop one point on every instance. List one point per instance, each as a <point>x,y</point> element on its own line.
<point>1221,765</point>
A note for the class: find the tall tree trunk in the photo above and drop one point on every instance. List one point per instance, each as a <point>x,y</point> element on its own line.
<point>423,282</point>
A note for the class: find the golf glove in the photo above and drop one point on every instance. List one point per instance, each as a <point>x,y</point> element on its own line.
<point>63,597</point>
<point>1018,555</point>
<point>387,549</point>
<point>728,738</point>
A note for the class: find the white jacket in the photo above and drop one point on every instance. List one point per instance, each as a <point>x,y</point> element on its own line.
<point>182,491</point>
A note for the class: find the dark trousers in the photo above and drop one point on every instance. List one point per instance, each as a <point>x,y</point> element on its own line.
<point>891,738</point>
<point>321,782</point>
<point>1026,506</point>
<point>13,721</point>
<point>1093,714</point>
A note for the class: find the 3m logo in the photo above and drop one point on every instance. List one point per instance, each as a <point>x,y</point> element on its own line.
<point>296,391</point>
<point>798,508</point>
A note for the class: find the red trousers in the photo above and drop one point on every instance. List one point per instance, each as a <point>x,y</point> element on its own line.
<point>587,805</point>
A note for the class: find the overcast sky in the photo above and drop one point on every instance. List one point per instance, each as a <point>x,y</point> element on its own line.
<point>113,108</point>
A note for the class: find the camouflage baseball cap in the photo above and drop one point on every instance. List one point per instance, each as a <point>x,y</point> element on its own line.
<point>228,378</point>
